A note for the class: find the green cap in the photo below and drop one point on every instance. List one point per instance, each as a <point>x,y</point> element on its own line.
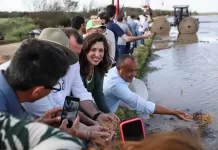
<point>94,23</point>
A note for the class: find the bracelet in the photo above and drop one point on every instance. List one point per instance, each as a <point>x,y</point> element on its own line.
<point>96,116</point>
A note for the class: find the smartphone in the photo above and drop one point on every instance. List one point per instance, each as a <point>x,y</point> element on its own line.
<point>70,110</point>
<point>132,130</point>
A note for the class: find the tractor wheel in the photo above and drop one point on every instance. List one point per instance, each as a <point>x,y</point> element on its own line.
<point>188,25</point>
<point>160,26</point>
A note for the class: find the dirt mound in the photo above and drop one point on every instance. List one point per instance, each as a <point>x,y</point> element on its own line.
<point>4,58</point>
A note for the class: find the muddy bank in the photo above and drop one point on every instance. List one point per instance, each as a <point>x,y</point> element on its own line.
<point>161,123</point>
<point>5,58</point>
<point>7,51</point>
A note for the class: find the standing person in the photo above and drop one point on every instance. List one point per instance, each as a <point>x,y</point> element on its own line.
<point>129,49</point>
<point>143,27</point>
<point>109,36</point>
<point>150,12</point>
<point>137,20</point>
<point>135,29</point>
<point>121,44</point>
<point>78,23</point>
<point>118,32</point>
<point>133,25</point>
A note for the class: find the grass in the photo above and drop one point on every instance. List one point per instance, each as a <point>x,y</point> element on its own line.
<point>142,55</point>
<point>15,29</point>
<point>10,40</point>
<point>3,20</point>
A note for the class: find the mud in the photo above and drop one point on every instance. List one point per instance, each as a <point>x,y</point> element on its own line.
<point>7,51</point>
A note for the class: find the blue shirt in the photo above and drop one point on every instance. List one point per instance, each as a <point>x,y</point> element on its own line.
<point>116,90</point>
<point>118,32</point>
<point>8,100</point>
<point>134,26</point>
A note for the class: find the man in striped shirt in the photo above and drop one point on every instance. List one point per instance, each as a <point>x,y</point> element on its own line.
<point>17,135</point>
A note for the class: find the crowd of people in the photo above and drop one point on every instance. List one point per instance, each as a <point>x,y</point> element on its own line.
<point>91,61</point>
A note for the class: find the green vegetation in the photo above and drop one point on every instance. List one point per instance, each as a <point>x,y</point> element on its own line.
<point>15,29</point>
<point>15,26</point>
<point>13,14</point>
<point>142,55</point>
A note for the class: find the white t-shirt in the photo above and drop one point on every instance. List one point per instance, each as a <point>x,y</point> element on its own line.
<point>71,82</point>
<point>143,26</point>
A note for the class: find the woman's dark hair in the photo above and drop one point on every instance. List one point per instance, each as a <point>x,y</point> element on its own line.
<point>87,44</point>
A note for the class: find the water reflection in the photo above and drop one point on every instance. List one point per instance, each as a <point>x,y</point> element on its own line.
<point>162,41</point>
<point>188,75</point>
<point>186,39</point>
<point>166,41</point>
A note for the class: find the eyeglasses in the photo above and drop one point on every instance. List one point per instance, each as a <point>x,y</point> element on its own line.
<point>54,89</point>
<point>58,87</point>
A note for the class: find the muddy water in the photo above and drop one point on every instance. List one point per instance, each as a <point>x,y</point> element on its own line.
<point>187,77</point>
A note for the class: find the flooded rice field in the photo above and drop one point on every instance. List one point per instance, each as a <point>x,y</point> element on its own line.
<point>186,77</point>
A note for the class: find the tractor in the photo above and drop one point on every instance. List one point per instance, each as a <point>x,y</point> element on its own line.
<point>180,12</point>
<point>182,19</point>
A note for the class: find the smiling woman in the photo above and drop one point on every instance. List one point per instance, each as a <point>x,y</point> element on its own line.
<point>94,63</point>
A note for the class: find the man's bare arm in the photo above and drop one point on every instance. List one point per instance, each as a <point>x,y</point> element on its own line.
<point>163,111</point>
<point>86,120</point>
<point>89,108</point>
<point>135,38</point>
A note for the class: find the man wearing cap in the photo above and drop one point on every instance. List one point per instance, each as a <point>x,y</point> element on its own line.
<point>70,84</point>
<point>94,26</point>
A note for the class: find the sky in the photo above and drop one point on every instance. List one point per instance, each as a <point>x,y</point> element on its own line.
<point>194,5</point>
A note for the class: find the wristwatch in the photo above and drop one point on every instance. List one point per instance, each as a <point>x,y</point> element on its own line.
<point>96,116</point>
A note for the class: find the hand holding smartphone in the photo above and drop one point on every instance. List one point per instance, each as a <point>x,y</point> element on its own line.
<point>70,110</point>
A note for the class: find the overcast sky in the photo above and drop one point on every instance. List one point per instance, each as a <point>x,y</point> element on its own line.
<point>195,5</point>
